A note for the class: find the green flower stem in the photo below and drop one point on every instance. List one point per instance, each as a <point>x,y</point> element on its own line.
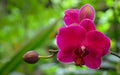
<point>56,51</point>
<point>115,54</point>
<point>53,52</point>
<point>46,57</point>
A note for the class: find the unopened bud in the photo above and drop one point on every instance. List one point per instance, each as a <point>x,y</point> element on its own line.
<point>31,57</point>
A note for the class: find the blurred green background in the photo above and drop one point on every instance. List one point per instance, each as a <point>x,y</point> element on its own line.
<point>33,24</point>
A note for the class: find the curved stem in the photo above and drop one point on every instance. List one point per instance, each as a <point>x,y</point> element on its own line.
<point>55,51</point>
<point>49,56</point>
<point>115,54</point>
<point>46,57</point>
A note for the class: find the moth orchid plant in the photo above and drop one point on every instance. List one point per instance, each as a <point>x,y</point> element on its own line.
<point>78,42</point>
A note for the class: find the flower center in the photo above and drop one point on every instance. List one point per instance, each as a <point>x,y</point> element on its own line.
<point>79,54</point>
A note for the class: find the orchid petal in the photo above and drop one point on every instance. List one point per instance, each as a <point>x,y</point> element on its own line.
<point>92,62</point>
<point>70,37</point>
<point>97,43</point>
<point>71,16</point>
<point>65,57</point>
<point>88,24</point>
<point>86,12</point>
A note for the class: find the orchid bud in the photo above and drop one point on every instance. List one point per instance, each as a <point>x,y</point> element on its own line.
<point>87,12</point>
<point>31,57</point>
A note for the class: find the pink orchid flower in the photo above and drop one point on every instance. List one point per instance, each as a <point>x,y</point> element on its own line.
<point>82,43</point>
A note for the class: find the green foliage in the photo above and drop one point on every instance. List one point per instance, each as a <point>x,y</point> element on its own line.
<point>34,43</point>
<point>33,24</point>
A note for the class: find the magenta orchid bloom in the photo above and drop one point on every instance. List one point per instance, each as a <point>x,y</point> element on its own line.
<point>80,42</point>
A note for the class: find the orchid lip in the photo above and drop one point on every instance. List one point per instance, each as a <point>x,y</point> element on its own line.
<point>79,54</point>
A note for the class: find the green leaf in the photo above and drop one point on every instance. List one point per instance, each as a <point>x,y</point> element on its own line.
<point>31,45</point>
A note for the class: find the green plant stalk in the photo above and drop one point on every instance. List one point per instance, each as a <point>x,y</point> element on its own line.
<point>115,54</point>
<point>56,51</point>
<point>31,45</point>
